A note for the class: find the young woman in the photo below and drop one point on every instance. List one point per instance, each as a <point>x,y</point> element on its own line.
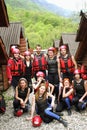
<point>44,109</point>
<point>21,101</point>
<point>66,64</point>
<point>15,68</point>
<point>52,64</point>
<point>80,87</point>
<point>66,96</point>
<point>28,68</point>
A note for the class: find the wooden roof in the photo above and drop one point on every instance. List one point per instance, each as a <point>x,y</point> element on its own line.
<point>81,54</point>
<point>56,43</point>
<point>69,39</point>
<point>4,21</point>
<point>11,35</point>
<point>3,54</point>
<point>82,30</point>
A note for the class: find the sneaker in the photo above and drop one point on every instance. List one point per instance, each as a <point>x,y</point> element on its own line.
<point>61,120</point>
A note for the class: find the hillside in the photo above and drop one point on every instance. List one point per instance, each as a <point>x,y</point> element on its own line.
<point>40,5</point>
<point>41,26</point>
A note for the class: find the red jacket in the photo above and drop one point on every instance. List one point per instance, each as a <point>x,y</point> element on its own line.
<point>39,63</point>
<point>15,68</point>
<point>67,65</point>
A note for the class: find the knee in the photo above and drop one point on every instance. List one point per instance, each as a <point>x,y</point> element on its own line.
<point>81,106</point>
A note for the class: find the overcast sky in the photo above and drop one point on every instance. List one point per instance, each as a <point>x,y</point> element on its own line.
<point>75,5</point>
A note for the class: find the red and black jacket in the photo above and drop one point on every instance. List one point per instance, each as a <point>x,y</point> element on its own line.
<point>66,64</point>
<point>15,68</point>
<point>39,62</point>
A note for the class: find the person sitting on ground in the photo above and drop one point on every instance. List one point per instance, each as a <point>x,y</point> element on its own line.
<point>66,96</point>
<point>80,87</point>
<point>21,100</point>
<point>45,110</point>
<point>68,93</point>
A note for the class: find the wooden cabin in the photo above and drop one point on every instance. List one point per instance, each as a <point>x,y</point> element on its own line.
<point>12,35</point>
<point>3,62</point>
<point>4,21</point>
<point>69,41</point>
<point>81,54</point>
<point>56,44</point>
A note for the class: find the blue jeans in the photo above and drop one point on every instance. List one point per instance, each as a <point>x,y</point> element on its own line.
<point>51,114</point>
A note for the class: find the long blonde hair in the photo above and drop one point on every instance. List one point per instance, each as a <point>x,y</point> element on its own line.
<point>38,91</point>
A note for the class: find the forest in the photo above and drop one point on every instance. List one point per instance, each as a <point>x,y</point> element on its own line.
<point>40,26</point>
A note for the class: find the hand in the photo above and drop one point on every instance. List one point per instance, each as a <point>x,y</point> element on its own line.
<point>21,101</point>
<point>23,105</point>
<point>80,100</point>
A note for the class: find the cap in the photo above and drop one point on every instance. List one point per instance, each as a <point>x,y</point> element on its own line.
<point>40,74</point>
<point>36,121</point>
<point>63,47</point>
<point>27,53</point>
<point>51,49</point>
<point>77,71</point>
<point>16,51</point>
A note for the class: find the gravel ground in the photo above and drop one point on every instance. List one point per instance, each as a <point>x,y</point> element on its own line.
<point>77,121</point>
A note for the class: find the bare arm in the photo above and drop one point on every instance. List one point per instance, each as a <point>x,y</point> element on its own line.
<point>74,61</point>
<point>85,94</point>
<point>66,94</point>
<point>51,88</point>
<point>35,86</point>
<point>59,70</point>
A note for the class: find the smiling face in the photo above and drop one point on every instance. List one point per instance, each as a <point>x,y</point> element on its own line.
<point>38,49</point>
<point>27,57</point>
<point>22,83</point>
<point>50,54</point>
<point>16,55</point>
<point>63,52</point>
<point>77,76</point>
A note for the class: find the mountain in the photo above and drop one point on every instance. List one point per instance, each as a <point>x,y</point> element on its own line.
<point>53,8</point>
<point>39,5</point>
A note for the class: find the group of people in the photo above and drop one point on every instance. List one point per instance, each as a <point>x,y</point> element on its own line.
<point>58,81</point>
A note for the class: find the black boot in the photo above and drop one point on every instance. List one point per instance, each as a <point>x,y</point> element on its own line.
<point>61,120</point>
<point>69,112</point>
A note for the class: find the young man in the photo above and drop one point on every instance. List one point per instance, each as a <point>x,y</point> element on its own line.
<point>39,61</point>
